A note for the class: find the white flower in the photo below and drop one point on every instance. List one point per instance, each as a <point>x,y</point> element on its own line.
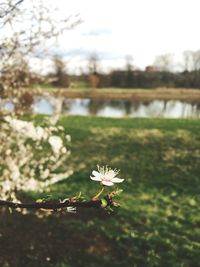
<point>6,185</point>
<point>27,129</point>
<point>14,169</point>
<point>45,173</point>
<point>64,150</point>
<point>106,176</point>
<point>56,143</point>
<point>71,209</point>
<point>68,137</point>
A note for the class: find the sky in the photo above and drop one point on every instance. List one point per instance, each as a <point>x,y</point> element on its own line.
<point>140,29</point>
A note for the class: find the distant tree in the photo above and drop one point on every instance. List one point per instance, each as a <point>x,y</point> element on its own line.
<point>61,77</point>
<point>93,67</point>
<point>196,60</point>
<point>129,63</point>
<point>118,78</point>
<point>187,60</point>
<point>129,79</point>
<point>164,63</point>
<point>191,65</point>
<point>93,63</point>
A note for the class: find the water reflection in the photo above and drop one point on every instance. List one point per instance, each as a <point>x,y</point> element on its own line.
<point>77,107</point>
<point>43,106</point>
<point>113,108</point>
<point>124,108</point>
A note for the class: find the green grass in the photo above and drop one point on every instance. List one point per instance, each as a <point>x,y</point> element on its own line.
<point>159,218</point>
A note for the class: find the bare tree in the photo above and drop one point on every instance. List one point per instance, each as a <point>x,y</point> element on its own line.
<point>187,60</point>
<point>164,63</point>
<point>191,60</point>
<point>93,66</point>
<point>61,78</point>
<point>27,29</point>
<point>196,60</point>
<point>8,10</point>
<point>129,63</point>
<point>93,63</point>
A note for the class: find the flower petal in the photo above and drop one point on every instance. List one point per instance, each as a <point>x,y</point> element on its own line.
<point>95,178</point>
<point>117,180</point>
<point>97,174</point>
<point>108,183</point>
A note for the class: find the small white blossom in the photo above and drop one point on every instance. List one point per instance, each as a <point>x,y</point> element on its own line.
<point>64,150</point>
<point>71,209</point>
<point>14,170</point>
<point>106,176</point>
<point>6,185</point>
<point>56,143</point>
<point>68,137</point>
<point>27,128</point>
<point>8,152</point>
<point>61,128</point>
<point>45,173</point>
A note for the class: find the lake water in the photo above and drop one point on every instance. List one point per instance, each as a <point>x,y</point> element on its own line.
<point>119,108</point>
<point>113,108</point>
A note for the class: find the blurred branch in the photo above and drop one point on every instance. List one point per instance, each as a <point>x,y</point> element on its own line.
<point>28,30</point>
<point>4,11</point>
<point>96,203</point>
<point>7,10</point>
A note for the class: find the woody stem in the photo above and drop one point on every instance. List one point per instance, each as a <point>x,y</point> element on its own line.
<point>94,203</point>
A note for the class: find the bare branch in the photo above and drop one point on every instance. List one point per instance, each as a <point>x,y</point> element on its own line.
<point>28,30</point>
<point>8,8</point>
<point>94,203</point>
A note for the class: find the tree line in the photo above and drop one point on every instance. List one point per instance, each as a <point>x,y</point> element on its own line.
<point>160,74</point>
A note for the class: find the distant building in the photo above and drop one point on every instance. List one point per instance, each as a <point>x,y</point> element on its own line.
<point>150,69</point>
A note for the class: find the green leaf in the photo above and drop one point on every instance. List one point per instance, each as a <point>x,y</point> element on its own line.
<point>119,191</point>
<point>104,203</point>
<point>39,200</point>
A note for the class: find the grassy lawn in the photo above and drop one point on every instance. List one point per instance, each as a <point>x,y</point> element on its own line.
<point>158,223</point>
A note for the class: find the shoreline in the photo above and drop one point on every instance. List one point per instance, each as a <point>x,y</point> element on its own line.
<point>126,94</point>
